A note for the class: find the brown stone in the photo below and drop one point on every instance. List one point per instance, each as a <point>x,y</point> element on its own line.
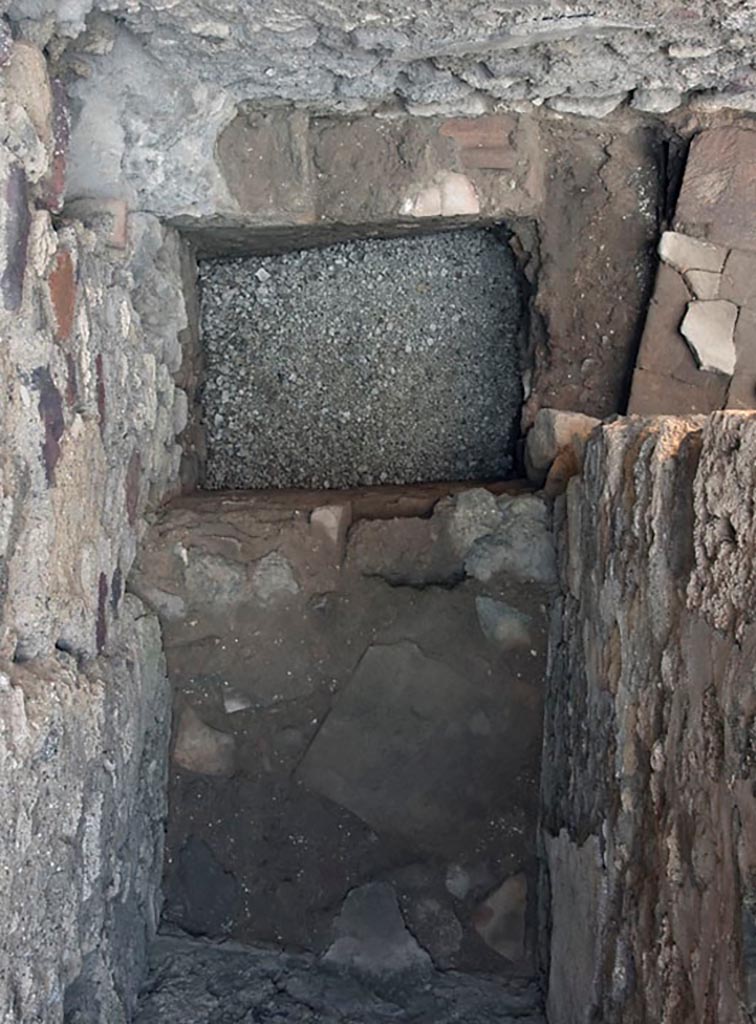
<point>17,226</point>
<point>265,161</point>
<point>745,342</point>
<point>500,919</point>
<point>663,348</point>
<point>62,283</point>
<point>719,188</point>
<point>483,142</point>
<point>655,394</point>
<point>29,85</point>
<point>742,391</point>
<point>739,279</point>
<point>53,186</point>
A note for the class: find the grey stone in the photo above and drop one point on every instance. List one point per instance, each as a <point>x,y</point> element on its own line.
<point>503,625</point>
<point>371,936</point>
<point>587,106</point>
<point>657,101</point>
<point>522,548</point>
<point>273,578</point>
<point>709,329</point>
<point>206,983</point>
<point>214,580</point>
<point>704,284</point>
<point>472,514</point>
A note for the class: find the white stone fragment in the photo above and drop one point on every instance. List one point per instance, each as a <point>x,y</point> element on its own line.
<point>448,195</point>
<point>685,253</point>
<point>709,329</point>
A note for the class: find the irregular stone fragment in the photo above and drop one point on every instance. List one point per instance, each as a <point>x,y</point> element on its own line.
<point>685,253</point>
<point>273,578</point>
<point>202,749</point>
<point>371,936</point>
<point>436,927</point>
<point>522,547</point>
<point>214,580</point>
<point>709,329</point>
<point>52,187</point>
<point>449,195</point>
<point>51,414</point>
<point>332,522</point>
<point>234,700</point>
<point>28,84</point>
<point>553,430</point>
<point>503,625</point>
<point>500,919</point>
<point>473,514</point>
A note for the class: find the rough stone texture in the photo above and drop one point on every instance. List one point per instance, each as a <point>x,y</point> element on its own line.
<point>551,433</point>
<point>391,361</point>
<point>206,983</point>
<point>648,810</point>
<point>84,705</point>
<point>380,733</point>
<point>170,77</point>
<point>82,779</point>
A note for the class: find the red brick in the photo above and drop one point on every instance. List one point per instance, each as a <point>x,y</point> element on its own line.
<point>62,283</point>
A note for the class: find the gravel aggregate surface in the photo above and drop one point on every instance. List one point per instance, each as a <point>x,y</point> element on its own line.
<point>367,362</point>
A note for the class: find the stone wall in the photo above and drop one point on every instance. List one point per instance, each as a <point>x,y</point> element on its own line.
<point>90,310</point>
<point>649,823</point>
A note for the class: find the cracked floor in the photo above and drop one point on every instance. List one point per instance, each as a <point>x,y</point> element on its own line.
<point>358,699</point>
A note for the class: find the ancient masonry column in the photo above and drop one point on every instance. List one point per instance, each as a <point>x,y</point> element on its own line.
<point>649,818</point>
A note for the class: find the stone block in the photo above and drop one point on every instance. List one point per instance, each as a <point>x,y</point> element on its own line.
<point>745,341</point>
<point>17,228</point>
<point>655,394</point>
<point>709,328</point>
<point>739,279</point>
<point>330,523</point>
<point>719,188</point>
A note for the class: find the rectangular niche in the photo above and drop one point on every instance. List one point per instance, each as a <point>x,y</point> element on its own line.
<point>379,361</point>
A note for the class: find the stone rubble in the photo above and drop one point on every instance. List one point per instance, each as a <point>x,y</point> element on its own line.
<point>709,329</point>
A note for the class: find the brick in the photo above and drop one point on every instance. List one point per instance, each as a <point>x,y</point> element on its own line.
<point>483,142</point>
<point>62,283</point>
<point>663,349</point>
